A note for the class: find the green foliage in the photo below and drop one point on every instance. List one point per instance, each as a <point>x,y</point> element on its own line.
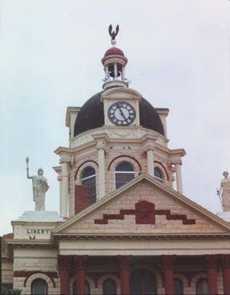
<point>5,291</point>
<point>15,292</point>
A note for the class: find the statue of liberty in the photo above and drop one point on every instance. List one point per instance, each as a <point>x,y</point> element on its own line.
<point>40,187</point>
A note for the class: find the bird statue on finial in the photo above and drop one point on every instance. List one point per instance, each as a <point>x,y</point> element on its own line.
<point>113,33</point>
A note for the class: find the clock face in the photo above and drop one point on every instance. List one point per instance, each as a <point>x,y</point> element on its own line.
<point>121,113</point>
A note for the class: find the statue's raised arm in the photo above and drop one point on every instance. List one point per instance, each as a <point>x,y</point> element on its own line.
<point>27,168</point>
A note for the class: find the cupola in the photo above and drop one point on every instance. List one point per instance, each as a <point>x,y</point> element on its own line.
<point>114,62</point>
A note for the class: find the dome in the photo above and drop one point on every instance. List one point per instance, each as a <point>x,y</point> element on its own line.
<point>114,51</point>
<point>91,116</point>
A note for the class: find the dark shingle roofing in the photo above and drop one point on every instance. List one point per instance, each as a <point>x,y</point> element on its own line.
<point>91,116</point>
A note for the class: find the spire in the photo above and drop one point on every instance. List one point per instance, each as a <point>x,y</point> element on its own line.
<point>114,62</point>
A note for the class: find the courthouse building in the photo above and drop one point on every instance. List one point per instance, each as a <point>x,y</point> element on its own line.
<point>124,225</point>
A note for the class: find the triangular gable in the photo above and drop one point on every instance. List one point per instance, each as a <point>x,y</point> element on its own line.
<point>144,206</point>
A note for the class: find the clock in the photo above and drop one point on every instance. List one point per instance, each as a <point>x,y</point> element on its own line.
<point>121,113</point>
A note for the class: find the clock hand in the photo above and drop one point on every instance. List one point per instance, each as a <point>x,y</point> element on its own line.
<point>122,113</point>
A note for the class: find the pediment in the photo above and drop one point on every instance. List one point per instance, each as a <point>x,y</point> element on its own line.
<point>144,207</point>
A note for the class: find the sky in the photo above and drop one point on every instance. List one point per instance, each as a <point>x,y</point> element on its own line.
<point>50,58</point>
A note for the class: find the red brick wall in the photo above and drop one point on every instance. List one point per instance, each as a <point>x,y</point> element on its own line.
<point>81,198</point>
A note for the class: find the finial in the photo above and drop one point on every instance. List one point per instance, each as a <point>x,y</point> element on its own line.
<point>113,34</point>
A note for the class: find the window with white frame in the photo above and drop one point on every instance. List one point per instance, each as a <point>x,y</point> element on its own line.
<point>124,172</point>
<point>88,180</point>
<point>158,173</point>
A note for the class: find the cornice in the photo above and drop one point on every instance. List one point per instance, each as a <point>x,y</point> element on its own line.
<point>31,223</point>
<point>32,243</point>
<point>103,129</point>
<point>68,111</point>
<point>67,150</point>
<point>142,236</point>
<point>62,151</point>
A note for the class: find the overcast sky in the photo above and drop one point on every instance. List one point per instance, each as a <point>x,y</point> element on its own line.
<point>50,52</point>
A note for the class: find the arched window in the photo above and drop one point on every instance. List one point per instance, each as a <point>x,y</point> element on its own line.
<point>109,287</point>
<point>158,173</point>
<point>179,287</point>
<point>124,173</point>
<point>143,283</point>
<point>39,287</point>
<point>202,287</point>
<point>88,180</point>
<point>74,288</point>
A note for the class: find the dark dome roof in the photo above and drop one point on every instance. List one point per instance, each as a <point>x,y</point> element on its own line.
<point>114,51</point>
<point>91,116</point>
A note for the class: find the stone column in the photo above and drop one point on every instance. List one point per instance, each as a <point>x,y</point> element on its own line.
<point>106,72</point>
<point>101,172</point>
<point>63,269</point>
<point>64,190</point>
<point>59,178</point>
<point>212,274</point>
<point>179,178</point>
<point>80,265</point>
<point>124,262</point>
<point>123,73</point>
<point>149,146</point>
<point>226,273</point>
<point>150,162</point>
<point>115,71</point>
<point>167,263</point>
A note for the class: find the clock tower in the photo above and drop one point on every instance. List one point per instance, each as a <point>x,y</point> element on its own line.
<point>115,136</point>
<point>121,103</point>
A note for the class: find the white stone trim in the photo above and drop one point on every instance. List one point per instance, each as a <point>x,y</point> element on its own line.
<point>179,178</point>
<point>64,189</point>
<point>141,248</point>
<point>150,162</point>
<point>101,173</point>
